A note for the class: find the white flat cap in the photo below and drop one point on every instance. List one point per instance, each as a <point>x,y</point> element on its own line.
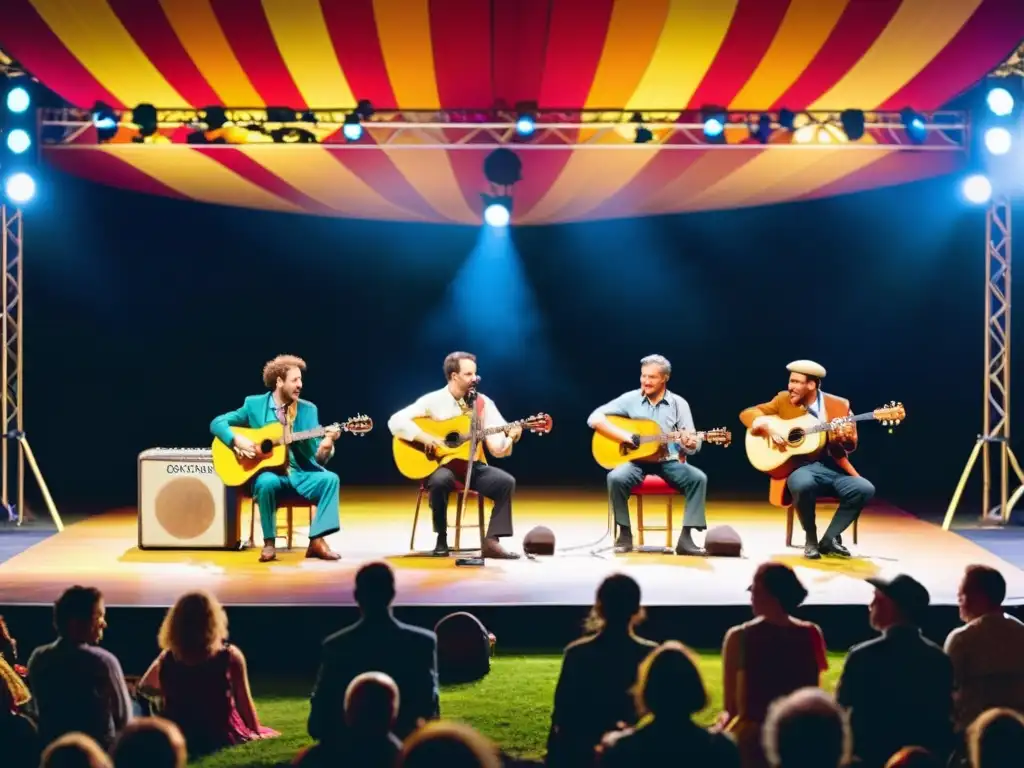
<point>807,368</point>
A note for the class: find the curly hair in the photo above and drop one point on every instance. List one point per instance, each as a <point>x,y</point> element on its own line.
<point>194,628</point>
<point>278,368</point>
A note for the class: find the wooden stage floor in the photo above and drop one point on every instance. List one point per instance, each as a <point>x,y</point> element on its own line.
<point>101,551</point>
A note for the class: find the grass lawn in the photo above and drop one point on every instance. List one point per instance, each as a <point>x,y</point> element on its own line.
<point>512,705</point>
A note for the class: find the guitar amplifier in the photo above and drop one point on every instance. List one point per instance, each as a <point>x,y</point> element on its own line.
<point>183,504</point>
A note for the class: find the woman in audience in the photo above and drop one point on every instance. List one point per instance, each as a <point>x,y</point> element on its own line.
<point>768,657</point>
<point>669,692</point>
<point>19,741</point>
<point>593,692</point>
<point>201,679</point>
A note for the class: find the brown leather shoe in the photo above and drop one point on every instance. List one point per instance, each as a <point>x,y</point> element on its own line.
<point>268,553</point>
<point>494,550</point>
<point>319,550</point>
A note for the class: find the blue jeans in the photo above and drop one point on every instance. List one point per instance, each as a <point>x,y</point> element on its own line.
<point>684,477</point>
<point>809,482</point>
<point>320,488</point>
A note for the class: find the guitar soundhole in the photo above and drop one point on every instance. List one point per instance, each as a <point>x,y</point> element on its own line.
<point>266,446</point>
<point>452,439</point>
<point>795,436</point>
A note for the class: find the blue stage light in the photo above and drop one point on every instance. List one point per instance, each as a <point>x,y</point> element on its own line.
<point>977,189</point>
<point>20,188</point>
<point>713,127</point>
<point>998,140</point>
<point>525,125</point>
<point>18,141</point>
<point>18,99</point>
<point>1000,101</point>
<point>497,215</point>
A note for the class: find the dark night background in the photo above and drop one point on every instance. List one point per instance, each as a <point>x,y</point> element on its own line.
<point>145,317</point>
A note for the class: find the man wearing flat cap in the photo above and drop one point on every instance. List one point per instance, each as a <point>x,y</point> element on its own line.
<point>829,474</point>
<point>898,687</point>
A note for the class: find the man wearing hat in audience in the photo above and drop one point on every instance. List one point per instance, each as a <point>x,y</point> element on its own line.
<point>831,474</point>
<point>898,687</point>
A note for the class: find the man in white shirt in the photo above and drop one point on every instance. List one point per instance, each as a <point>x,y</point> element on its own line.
<point>988,670</point>
<point>491,482</point>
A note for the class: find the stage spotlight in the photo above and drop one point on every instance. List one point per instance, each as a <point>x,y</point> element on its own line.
<point>763,131</point>
<point>643,135</point>
<point>977,189</point>
<point>853,123</point>
<point>714,126</point>
<point>292,135</point>
<point>18,100</point>
<point>353,128</point>
<point>497,210</point>
<point>1000,101</point>
<point>144,116</point>
<point>914,124</point>
<point>18,141</point>
<point>998,140</point>
<point>525,124</point>
<point>105,121</point>
<point>20,188</point>
<point>503,168</point>
<point>787,119</point>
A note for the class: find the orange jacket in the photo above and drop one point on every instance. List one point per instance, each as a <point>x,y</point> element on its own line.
<point>835,407</point>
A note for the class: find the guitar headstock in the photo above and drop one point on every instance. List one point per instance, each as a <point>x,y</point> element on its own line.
<point>720,436</point>
<point>540,424</point>
<point>890,415</point>
<point>358,425</point>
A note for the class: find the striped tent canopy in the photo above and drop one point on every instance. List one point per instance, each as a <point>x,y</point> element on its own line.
<point>419,55</point>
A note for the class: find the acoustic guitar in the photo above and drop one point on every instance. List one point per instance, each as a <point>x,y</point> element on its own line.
<point>416,461</point>
<point>806,438</point>
<point>272,448</point>
<point>611,453</point>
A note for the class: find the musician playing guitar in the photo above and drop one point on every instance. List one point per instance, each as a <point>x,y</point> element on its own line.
<point>305,472</point>
<point>653,401</point>
<point>828,474</point>
<point>459,397</point>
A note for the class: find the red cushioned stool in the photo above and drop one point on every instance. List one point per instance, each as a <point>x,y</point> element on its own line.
<point>791,513</point>
<point>458,515</point>
<point>654,486</point>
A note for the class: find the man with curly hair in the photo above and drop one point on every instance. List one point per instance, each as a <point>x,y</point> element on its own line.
<point>305,473</point>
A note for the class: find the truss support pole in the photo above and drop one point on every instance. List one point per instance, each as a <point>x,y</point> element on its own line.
<point>996,405</point>
<point>11,403</point>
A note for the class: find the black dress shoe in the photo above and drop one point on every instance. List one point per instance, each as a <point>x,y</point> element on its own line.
<point>833,547</point>
<point>811,551</point>
<point>624,543</point>
<point>686,545</point>
<point>441,547</point>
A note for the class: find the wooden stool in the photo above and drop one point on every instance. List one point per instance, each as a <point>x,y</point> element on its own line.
<point>458,515</point>
<point>653,485</point>
<point>791,513</point>
<point>286,501</point>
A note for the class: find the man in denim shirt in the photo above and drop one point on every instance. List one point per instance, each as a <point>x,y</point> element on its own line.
<point>653,401</point>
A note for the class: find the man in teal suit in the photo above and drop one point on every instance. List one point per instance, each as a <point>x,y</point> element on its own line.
<point>305,474</point>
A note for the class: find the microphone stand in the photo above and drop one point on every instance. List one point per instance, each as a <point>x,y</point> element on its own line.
<point>473,442</point>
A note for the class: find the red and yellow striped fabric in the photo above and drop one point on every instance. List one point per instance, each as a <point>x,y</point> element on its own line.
<point>463,54</point>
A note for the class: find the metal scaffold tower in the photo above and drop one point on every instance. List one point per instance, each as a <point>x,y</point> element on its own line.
<point>996,409</point>
<point>13,468</point>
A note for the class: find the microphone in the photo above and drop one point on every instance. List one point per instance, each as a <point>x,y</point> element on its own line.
<point>472,394</point>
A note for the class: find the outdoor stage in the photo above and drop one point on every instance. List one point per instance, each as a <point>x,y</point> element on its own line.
<point>102,551</point>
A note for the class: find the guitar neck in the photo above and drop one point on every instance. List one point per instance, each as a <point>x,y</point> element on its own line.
<point>502,428</point>
<point>306,434</point>
<point>825,426</point>
<point>670,437</point>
